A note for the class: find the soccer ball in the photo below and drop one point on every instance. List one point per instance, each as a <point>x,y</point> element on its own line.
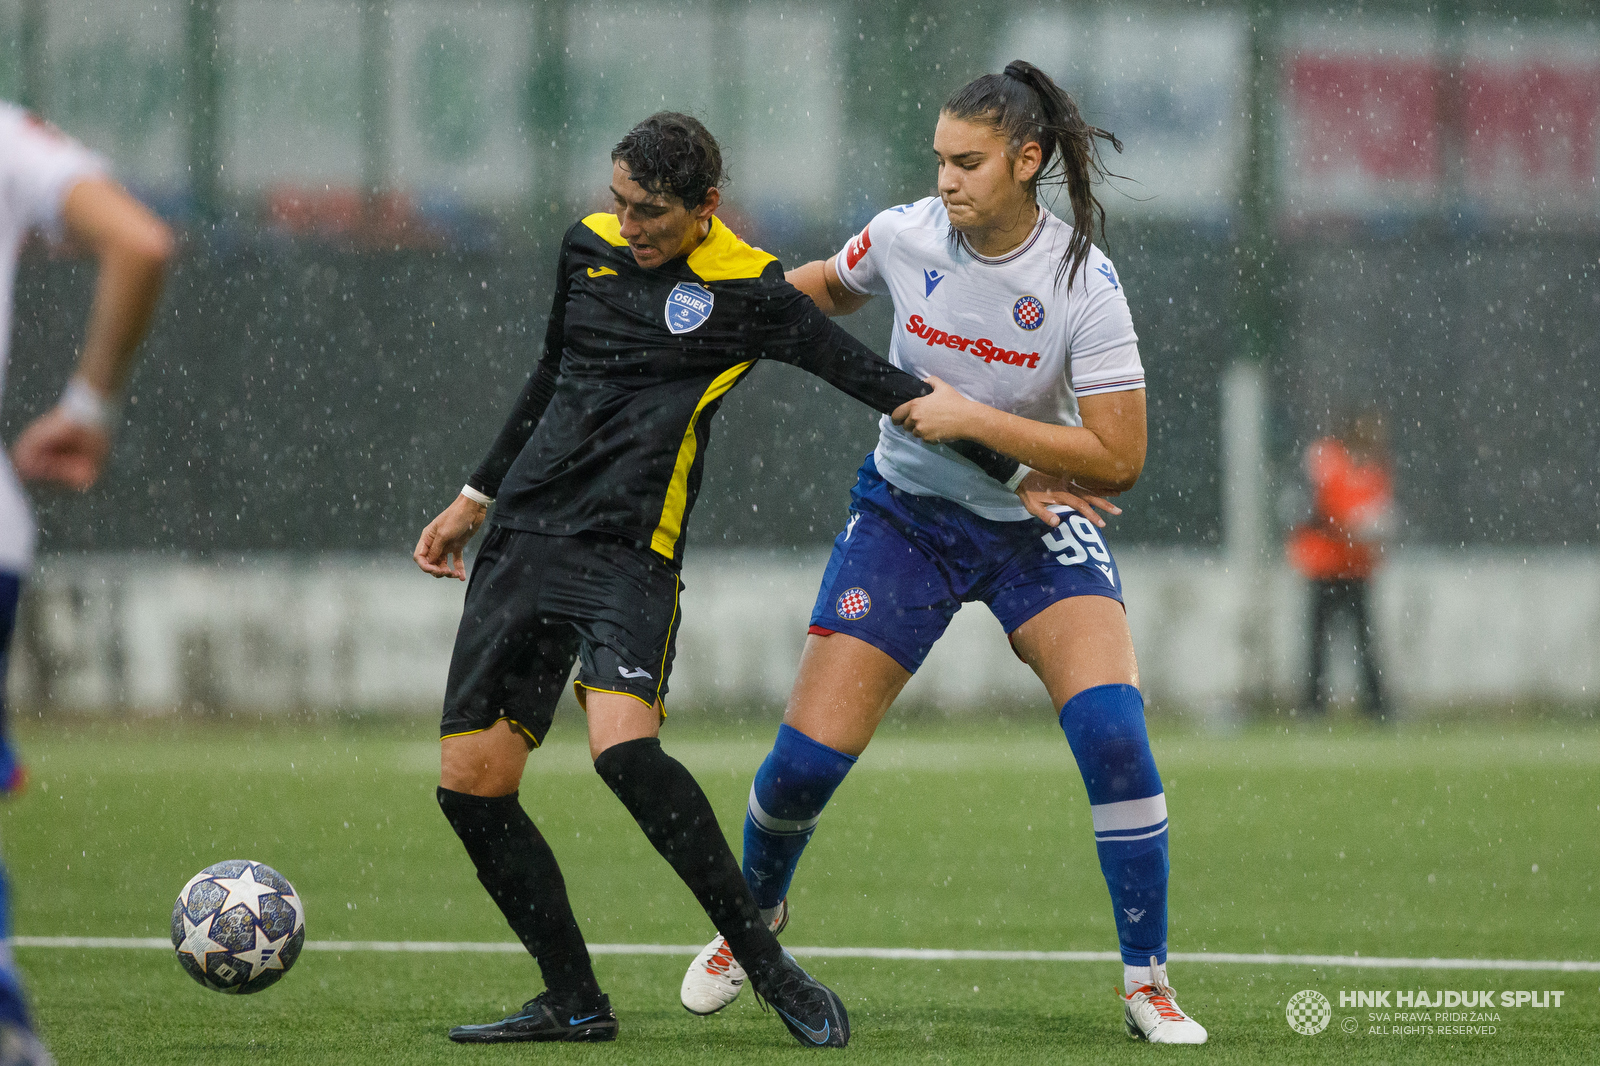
<point>238,926</point>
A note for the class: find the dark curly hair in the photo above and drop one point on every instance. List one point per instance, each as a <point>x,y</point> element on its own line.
<point>1024,104</point>
<point>670,154</point>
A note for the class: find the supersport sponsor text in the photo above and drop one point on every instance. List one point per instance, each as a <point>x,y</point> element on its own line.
<point>981,347</point>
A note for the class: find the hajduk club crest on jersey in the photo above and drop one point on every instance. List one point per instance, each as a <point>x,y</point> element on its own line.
<point>1028,313</point>
<point>688,307</point>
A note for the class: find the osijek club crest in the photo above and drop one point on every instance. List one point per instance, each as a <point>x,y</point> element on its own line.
<point>688,307</point>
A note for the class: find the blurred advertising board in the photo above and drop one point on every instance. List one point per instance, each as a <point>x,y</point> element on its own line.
<point>115,82</point>
<point>10,50</point>
<point>291,95</point>
<point>1170,84</point>
<point>458,124</point>
<point>765,81</point>
<point>1391,118</point>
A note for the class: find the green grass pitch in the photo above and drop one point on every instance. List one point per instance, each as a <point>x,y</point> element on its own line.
<point>1411,842</point>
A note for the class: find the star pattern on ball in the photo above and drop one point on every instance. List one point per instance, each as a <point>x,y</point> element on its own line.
<point>245,891</point>
<point>197,941</point>
<point>266,955</point>
<point>293,900</point>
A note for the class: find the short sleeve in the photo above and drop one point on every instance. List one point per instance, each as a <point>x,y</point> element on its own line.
<point>861,262</point>
<point>39,165</point>
<point>1104,347</point>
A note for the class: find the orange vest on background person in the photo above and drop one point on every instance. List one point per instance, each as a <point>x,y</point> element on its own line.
<point>1350,500</point>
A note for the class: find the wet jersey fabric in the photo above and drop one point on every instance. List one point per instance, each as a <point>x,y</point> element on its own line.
<point>904,564</point>
<point>1003,331</point>
<point>611,432</point>
<point>38,167</point>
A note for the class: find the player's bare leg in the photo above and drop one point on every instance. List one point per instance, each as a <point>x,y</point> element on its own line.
<point>1083,652</point>
<point>485,764</point>
<point>616,719</point>
<point>844,688</point>
<point>1076,644</point>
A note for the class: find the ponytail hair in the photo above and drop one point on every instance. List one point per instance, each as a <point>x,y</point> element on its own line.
<point>1024,104</point>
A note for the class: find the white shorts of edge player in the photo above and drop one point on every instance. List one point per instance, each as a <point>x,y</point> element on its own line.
<point>1003,331</point>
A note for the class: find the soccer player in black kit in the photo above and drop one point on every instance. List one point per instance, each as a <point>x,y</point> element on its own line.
<point>659,310</point>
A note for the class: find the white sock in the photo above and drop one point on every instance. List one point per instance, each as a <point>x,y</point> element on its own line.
<point>1134,977</point>
<point>770,914</point>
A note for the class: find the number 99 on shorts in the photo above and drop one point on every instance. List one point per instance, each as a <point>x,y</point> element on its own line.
<point>1075,541</point>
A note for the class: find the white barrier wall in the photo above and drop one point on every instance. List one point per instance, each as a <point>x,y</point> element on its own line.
<point>279,633</point>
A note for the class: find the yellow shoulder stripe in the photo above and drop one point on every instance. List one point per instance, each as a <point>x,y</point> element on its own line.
<point>607,227</point>
<point>724,257</point>
<point>665,538</point>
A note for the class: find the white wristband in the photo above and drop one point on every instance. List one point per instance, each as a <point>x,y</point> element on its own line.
<point>80,403</point>
<point>475,496</point>
<point>1016,479</point>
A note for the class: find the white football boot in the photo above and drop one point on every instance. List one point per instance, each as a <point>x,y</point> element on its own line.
<point>715,976</point>
<point>1152,1013</point>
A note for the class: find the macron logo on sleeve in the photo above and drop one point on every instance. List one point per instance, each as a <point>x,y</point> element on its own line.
<point>1109,274</point>
<point>857,249</point>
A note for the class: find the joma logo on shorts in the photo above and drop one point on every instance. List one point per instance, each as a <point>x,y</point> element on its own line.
<point>981,347</point>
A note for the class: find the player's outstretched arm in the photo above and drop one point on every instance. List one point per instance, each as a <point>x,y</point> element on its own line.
<point>68,444</point>
<point>442,548</point>
<point>819,279</point>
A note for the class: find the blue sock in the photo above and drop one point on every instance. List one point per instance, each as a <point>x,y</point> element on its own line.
<point>795,782</point>
<point>1105,727</point>
<point>13,1008</point>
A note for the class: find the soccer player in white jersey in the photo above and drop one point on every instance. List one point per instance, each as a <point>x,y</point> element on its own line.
<point>1022,326</point>
<point>52,184</point>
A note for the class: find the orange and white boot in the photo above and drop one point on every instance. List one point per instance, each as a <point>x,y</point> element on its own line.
<point>715,977</point>
<point>1152,1013</point>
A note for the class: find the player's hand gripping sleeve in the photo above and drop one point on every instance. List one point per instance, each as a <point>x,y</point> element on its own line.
<point>535,396</point>
<point>825,349</point>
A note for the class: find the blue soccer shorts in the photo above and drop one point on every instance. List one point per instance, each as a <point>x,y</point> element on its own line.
<point>905,564</point>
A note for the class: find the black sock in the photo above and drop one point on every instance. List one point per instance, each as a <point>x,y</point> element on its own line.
<point>519,870</point>
<point>675,815</point>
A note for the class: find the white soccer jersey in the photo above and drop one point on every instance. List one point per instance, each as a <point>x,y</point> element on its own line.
<point>1002,331</point>
<point>38,167</point>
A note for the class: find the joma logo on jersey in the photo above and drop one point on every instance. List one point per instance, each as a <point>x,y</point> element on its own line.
<point>981,347</point>
<point>688,307</point>
<point>857,249</point>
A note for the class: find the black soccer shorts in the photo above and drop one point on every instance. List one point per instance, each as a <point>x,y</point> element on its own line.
<point>534,604</point>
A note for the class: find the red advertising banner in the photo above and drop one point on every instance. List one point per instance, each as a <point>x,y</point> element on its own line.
<point>1380,126</point>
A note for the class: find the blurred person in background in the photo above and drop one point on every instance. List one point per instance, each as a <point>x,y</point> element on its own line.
<point>51,184</point>
<point>1341,545</point>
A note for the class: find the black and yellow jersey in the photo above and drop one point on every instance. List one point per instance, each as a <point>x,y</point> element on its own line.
<point>610,433</point>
